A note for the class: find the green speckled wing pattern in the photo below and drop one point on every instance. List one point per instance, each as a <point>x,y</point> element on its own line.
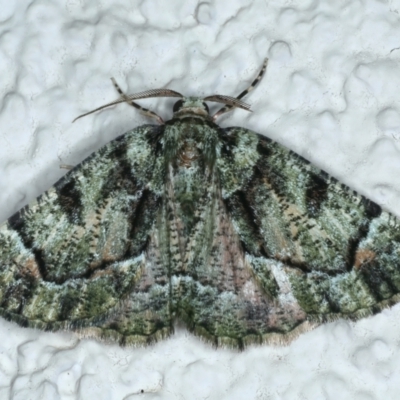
<point>241,239</point>
<point>86,250</point>
<point>320,250</point>
<point>224,229</point>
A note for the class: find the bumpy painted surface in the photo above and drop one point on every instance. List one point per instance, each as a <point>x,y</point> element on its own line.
<point>240,238</point>
<point>331,95</point>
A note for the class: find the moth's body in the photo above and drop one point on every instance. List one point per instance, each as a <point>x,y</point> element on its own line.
<point>187,183</point>
<point>190,144</point>
<point>240,238</point>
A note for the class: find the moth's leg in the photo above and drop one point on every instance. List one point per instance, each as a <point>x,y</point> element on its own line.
<point>142,110</point>
<point>66,166</point>
<point>226,109</point>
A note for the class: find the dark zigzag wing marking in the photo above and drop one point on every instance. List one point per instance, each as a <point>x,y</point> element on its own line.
<point>113,179</point>
<point>70,200</point>
<point>293,187</point>
<point>340,250</point>
<point>80,247</point>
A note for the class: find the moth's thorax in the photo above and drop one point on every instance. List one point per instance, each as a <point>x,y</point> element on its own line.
<point>188,153</point>
<point>191,140</point>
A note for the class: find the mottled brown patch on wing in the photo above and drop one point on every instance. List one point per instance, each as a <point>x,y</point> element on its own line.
<point>30,268</point>
<point>363,256</point>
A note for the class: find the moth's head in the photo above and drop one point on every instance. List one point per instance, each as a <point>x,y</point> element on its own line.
<point>191,106</point>
<point>198,106</point>
<point>186,105</point>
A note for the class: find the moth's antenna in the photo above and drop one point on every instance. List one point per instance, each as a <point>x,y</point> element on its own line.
<point>227,100</point>
<point>129,99</point>
<point>229,107</point>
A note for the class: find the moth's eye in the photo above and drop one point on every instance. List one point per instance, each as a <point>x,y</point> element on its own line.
<point>177,106</point>
<point>206,107</point>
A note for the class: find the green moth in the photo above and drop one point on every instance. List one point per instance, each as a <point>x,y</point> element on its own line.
<point>224,229</point>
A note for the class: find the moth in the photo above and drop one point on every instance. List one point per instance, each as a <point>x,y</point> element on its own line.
<point>233,234</point>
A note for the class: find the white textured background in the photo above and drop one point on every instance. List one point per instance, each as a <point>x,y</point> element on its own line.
<point>331,93</point>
